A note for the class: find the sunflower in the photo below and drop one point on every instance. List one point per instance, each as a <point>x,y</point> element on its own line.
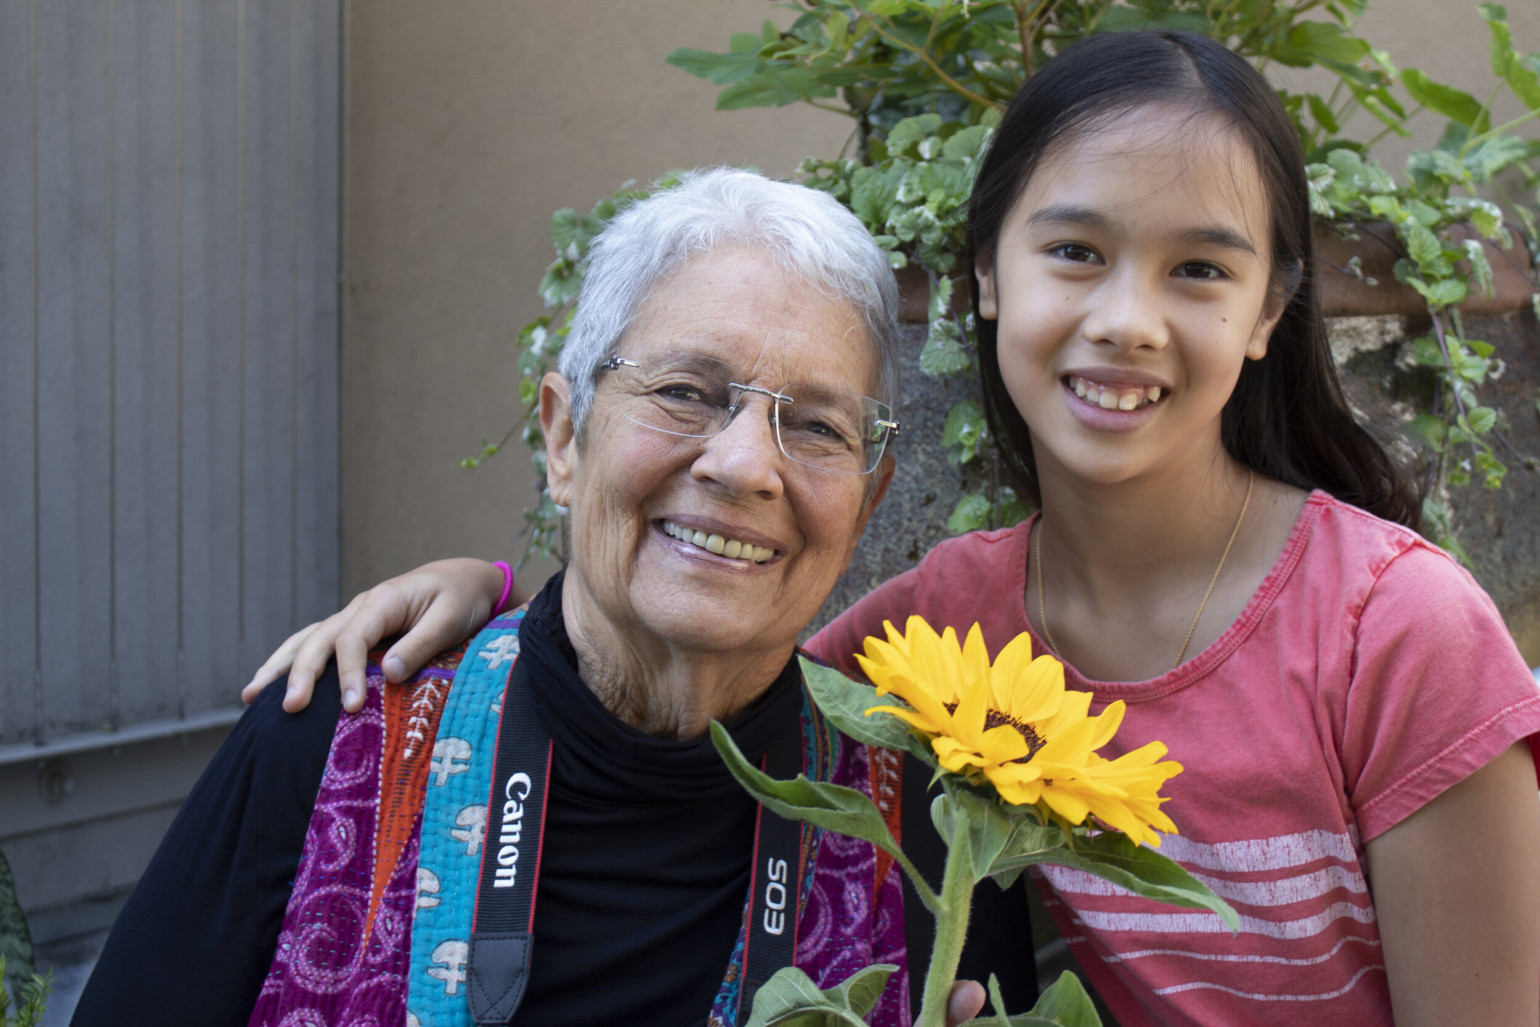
<point>1012,724</point>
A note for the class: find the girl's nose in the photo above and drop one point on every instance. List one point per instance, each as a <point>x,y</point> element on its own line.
<point>1127,312</point>
<point>744,456</point>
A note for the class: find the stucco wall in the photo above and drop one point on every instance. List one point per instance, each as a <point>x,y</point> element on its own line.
<point>467,124</point>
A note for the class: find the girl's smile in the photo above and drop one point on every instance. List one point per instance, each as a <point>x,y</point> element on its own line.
<point>1130,283</point>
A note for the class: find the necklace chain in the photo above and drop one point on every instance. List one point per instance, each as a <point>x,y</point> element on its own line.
<point>1042,606</point>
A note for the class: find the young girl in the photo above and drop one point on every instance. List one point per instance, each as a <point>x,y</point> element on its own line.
<point>1220,546</point>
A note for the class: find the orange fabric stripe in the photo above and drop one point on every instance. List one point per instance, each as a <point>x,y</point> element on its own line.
<point>412,713</point>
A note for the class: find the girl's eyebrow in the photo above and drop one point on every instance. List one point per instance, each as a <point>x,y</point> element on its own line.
<point>1070,214</point>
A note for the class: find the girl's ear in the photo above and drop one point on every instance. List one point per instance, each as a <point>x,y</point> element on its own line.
<point>1279,295</point>
<point>561,450</point>
<point>984,271</point>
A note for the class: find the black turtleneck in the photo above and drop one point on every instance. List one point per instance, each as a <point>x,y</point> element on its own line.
<point>642,880</point>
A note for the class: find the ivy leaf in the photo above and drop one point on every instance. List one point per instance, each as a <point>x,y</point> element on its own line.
<point>1481,420</point>
<point>845,703</point>
<point>963,431</point>
<point>943,352</point>
<point>940,297</point>
<point>791,999</point>
<point>832,807</point>
<point>911,131</point>
<point>967,144</point>
<point>1481,268</point>
<point>1431,428</point>
<point>1452,103</point>
<point>1506,63</point>
<point>1494,153</point>
<point>1113,857</point>
<point>722,69</point>
<point>970,514</point>
<point>1445,292</point>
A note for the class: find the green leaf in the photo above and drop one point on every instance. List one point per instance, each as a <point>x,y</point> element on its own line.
<point>943,352</point>
<point>970,514</point>
<point>1481,268</point>
<point>1319,42</point>
<point>832,807</point>
<point>963,431</point>
<point>1426,352</point>
<point>1113,857</point>
<point>1064,1003</point>
<point>1481,420</point>
<point>1431,428</point>
<point>911,131</point>
<point>845,703</point>
<point>791,999</point>
<point>719,68</point>
<point>1494,153</point>
<point>1506,63</point>
<point>1452,103</point>
<point>940,297</point>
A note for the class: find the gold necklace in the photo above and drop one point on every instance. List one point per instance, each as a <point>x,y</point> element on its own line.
<point>1042,606</point>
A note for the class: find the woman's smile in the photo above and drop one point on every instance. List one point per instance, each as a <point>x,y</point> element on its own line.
<point>718,544</point>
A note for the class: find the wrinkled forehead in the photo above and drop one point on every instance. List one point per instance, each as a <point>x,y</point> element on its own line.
<point>736,309</point>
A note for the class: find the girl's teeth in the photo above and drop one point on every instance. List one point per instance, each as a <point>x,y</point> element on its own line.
<point>730,548</point>
<point>1112,399</point>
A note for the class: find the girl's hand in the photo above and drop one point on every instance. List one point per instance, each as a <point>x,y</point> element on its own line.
<point>438,605</point>
<point>965,1002</point>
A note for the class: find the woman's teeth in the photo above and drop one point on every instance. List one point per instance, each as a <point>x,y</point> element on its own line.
<point>1108,397</point>
<point>728,547</point>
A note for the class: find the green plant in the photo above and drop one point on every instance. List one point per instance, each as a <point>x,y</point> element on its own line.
<point>924,81</point>
<point>31,1000</point>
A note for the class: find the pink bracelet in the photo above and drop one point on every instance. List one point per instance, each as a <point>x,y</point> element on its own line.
<point>507,586</point>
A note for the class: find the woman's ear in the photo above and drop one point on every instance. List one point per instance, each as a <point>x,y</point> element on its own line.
<point>984,271</point>
<point>561,451</point>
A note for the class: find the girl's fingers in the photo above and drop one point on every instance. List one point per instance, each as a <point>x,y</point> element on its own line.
<point>444,625</point>
<point>965,1002</point>
<point>276,665</point>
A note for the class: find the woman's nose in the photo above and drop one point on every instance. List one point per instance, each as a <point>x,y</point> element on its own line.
<point>744,456</point>
<point>1128,312</point>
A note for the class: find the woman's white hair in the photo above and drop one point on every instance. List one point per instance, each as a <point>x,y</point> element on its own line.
<point>806,233</point>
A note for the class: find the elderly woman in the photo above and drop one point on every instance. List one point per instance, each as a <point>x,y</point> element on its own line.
<point>717,431</point>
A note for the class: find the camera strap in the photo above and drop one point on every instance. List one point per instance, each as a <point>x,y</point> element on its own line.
<point>502,926</point>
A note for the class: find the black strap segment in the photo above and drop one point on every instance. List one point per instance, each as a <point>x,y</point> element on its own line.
<point>502,930</point>
<point>775,881</point>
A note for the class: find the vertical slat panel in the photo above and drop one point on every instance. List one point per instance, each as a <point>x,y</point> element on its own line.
<point>317,149</point>
<point>144,546</point>
<point>209,344</point>
<point>74,360</point>
<point>267,395</point>
<point>18,523</point>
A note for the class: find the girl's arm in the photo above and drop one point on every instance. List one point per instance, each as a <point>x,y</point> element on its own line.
<point>1456,890</point>
<point>438,605</point>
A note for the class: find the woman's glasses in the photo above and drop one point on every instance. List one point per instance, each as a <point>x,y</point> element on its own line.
<point>694,395</point>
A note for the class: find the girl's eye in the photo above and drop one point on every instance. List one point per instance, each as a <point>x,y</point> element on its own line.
<point>1075,252</point>
<point>1200,269</point>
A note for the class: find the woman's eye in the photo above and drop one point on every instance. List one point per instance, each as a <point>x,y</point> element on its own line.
<point>1199,269</point>
<point>1075,252</point>
<point>680,393</point>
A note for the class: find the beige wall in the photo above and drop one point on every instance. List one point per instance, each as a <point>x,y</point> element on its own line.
<point>467,124</point>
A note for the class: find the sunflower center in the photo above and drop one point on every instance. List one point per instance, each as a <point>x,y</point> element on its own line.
<point>994,718</point>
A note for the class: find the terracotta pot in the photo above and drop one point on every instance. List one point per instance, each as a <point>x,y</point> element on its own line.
<point>1377,248</point>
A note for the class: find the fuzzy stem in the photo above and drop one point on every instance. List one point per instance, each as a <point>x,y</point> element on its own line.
<point>951,928</point>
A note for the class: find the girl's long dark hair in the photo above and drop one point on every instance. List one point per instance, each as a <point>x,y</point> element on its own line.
<point>1287,417</point>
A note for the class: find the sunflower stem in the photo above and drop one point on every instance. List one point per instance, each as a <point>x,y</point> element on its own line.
<point>951,927</point>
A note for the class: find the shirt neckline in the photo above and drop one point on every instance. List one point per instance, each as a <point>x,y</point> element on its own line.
<point>1218,651</point>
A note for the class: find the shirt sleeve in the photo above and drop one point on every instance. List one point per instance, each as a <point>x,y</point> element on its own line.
<point>838,642</point>
<point>1438,689</point>
<point>195,939</point>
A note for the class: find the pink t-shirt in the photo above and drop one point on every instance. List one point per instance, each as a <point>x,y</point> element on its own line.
<point>1367,674</point>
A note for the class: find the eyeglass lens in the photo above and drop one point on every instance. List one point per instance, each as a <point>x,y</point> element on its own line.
<point>697,396</point>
